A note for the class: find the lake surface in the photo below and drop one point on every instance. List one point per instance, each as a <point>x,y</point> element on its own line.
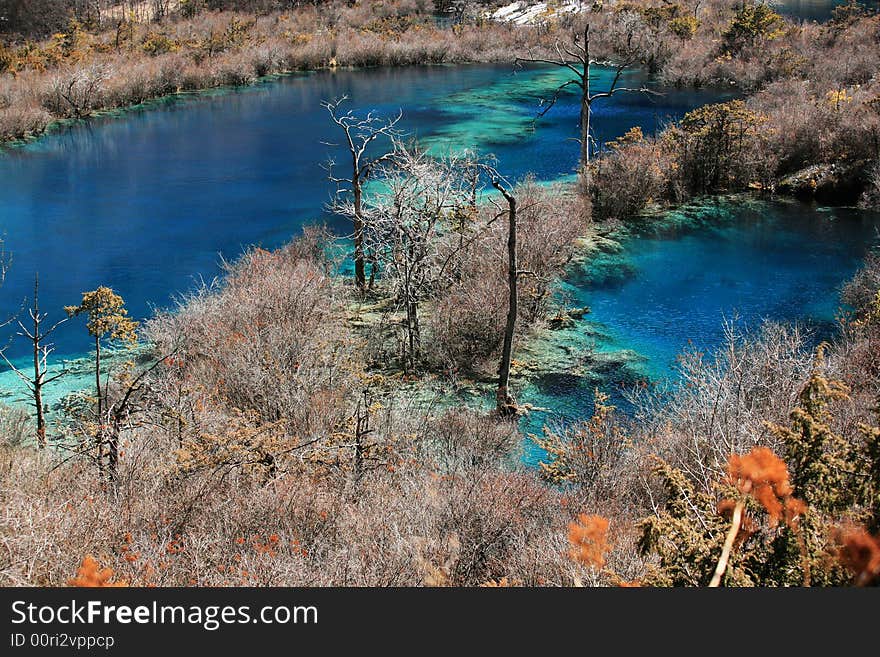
<point>673,286</point>
<point>817,10</point>
<point>147,201</point>
<point>811,10</point>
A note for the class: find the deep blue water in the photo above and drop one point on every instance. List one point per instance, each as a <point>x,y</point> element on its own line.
<point>811,10</point>
<point>147,201</point>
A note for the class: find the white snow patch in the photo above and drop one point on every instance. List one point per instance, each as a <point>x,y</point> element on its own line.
<point>531,13</point>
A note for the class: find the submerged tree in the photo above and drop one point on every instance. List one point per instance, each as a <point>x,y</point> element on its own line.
<point>38,337</point>
<point>360,133</point>
<point>576,57</point>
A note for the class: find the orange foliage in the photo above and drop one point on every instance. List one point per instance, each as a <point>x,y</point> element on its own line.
<point>92,575</point>
<point>764,476</point>
<point>589,540</point>
<point>860,552</point>
<point>504,582</point>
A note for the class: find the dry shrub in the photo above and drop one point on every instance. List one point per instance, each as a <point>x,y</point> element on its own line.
<point>860,291</point>
<point>463,515</point>
<point>629,177</point>
<point>724,400</point>
<point>22,122</point>
<point>14,425</point>
<point>76,93</point>
<point>466,325</point>
<point>269,341</point>
<point>871,195</point>
<point>594,458</point>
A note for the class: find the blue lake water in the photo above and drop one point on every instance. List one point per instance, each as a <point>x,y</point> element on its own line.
<point>673,286</point>
<point>146,202</point>
<point>810,10</point>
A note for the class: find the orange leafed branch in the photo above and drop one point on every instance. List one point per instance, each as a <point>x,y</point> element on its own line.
<point>764,476</point>
<point>860,552</point>
<point>91,574</point>
<point>589,540</point>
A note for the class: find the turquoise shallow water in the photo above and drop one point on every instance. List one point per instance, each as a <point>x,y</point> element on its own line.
<point>672,288</point>
<point>147,202</point>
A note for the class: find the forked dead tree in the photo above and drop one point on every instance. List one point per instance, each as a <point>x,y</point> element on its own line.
<point>38,337</point>
<point>576,58</point>
<point>360,133</point>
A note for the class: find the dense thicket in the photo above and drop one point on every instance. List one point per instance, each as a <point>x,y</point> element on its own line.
<point>265,451</point>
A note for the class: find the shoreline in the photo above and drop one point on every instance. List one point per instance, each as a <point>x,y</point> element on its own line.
<point>61,124</point>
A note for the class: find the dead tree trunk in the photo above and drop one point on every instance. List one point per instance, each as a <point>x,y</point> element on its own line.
<point>586,109</point>
<point>39,373</point>
<point>359,134</point>
<point>360,274</point>
<point>576,58</point>
<point>41,350</point>
<point>506,405</point>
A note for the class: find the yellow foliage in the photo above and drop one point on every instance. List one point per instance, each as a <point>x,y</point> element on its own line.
<point>632,136</point>
<point>107,314</point>
<point>836,97</point>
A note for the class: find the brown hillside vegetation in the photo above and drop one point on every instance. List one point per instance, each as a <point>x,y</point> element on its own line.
<point>264,452</point>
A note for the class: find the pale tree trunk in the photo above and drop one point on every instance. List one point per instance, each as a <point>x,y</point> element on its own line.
<point>586,110</point>
<point>38,370</point>
<point>35,383</point>
<point>505,403</point>
<point>585,143</point>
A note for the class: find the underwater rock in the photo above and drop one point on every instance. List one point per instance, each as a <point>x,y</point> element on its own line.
<point>606,362</point>
<point>566,319</point>
<point>560,321</point>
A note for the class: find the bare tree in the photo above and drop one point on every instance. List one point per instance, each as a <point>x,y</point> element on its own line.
<point>75,94</point>
<point>122,412</point>
<point>506,405</point>
<point>576,57</point>
<point>38,337</point>
<point>410,226</point>
<point>360,133</point>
